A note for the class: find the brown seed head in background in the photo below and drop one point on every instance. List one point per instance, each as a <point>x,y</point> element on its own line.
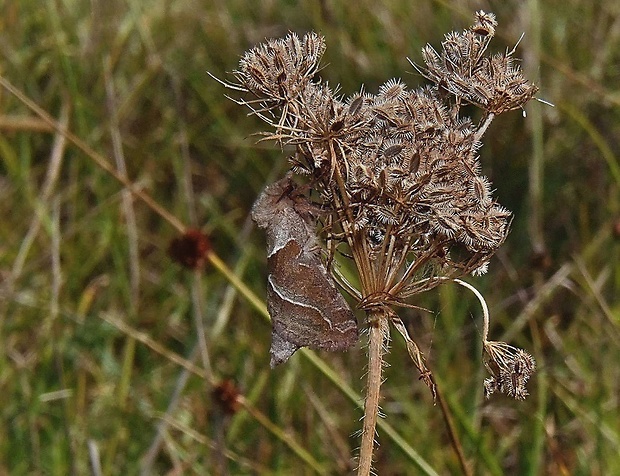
<point>226,395</point>
<point>616,229</point>
<point>190,249</point>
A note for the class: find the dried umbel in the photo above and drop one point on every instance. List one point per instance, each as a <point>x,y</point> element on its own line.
<point>190,249</point>
<point>510,368</point>
<point>395,175</point>
<point>280,69</point>
<point>226,394</point>
<point>494,83</point>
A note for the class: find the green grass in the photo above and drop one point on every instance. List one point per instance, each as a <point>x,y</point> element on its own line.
<point>99,328</point>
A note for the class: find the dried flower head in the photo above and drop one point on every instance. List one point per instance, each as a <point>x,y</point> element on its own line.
<point>226,394</point>
<point>281,69</point>
<point>190,249</point>
<point>510,368</point>
<point>400,191</point>
<point>494,83</point>
<point>396,174</point>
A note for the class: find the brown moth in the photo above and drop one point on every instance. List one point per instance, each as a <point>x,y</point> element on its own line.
<point>305,307</point>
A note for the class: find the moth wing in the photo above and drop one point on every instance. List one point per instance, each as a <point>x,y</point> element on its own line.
<point>306,308</point>
<point>281,349</point>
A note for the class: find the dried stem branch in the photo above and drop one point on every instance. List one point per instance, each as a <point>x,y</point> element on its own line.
<point>454,437</point>
<point>483,304</point>
<point>378,333</point>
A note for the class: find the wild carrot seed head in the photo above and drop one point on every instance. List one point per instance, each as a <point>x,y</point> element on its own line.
<point>397,172</point>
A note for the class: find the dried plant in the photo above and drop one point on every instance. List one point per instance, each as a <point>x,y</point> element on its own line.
<point>397,182</point>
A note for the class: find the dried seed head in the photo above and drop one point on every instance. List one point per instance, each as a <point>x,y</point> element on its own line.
<point>190,249</point>
<point>510,368</point>
<point>400,185</point>
<point>485,24</point>
<point>493,83</point>
<point>227,395</point>
<point>398,173</point>
<point>280,69</point>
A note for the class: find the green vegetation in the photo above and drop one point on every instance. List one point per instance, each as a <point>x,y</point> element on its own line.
<point>101,333</point>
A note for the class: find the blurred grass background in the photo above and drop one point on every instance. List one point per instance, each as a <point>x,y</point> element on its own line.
<point>93,313</point>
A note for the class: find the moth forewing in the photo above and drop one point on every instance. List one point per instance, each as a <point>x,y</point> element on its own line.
<point>306,308</point>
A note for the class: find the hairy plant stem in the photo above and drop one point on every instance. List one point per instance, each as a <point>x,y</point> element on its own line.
<point>378,333</point>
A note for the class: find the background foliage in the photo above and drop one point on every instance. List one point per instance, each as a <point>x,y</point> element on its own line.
<point>93,313</point>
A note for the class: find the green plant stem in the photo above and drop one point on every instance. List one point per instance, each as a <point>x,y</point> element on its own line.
<point>99,159</point>
<point>536,166</point>
<point>377,335</point>
<point>282,436</point>
<point>144,338</point>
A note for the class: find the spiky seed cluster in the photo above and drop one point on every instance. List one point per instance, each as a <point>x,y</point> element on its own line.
<point>510,368</point>
<point>397,172</point>
<point>416,172</point>
<point>280,69</point>
<point>494,83</point>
